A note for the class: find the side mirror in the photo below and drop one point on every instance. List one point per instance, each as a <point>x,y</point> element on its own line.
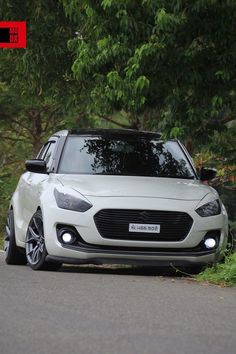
<point>37,166</point>
<point>206,174</point>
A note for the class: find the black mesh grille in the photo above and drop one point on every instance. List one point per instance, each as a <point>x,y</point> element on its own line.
<point>114,224</point>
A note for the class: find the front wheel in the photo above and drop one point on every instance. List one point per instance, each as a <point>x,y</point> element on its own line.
<point>36,252</point>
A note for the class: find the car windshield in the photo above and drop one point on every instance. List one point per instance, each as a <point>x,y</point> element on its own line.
<point>127,155</point>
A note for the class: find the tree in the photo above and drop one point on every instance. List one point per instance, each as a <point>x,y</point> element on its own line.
<point>167,65</point>
<point>36,83</point>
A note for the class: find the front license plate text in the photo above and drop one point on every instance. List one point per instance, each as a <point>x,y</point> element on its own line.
<point>151,228</point>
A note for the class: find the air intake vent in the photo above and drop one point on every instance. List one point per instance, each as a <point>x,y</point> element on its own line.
<point>114,224</point>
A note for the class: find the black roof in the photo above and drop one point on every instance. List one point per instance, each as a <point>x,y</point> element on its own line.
<point>114,132</point>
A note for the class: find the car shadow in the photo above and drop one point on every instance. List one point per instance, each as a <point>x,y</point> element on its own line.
<point>129,270</point>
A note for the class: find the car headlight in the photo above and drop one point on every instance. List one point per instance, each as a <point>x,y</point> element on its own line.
<point>69,202</point>
<point>209,209</point>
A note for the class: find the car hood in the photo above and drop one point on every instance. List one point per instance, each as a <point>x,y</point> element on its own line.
<point>128,186</point>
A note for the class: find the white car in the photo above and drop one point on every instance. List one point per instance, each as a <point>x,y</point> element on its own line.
<point>114,196</point>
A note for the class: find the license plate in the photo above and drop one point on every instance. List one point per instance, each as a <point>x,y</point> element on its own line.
<point>149,228</point>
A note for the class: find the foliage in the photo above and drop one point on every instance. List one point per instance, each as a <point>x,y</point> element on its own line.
<point>168,65</point>
<point>222,274</point>
<point>35,83</point>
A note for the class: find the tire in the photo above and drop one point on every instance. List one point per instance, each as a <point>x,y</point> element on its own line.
<point>36,252</point>
<point>13,254</point>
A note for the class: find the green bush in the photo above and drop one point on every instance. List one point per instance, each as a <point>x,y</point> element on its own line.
<point>222,273</point>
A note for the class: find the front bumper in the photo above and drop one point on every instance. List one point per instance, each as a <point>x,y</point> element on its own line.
<point>153,259</point>
<point>107,250</point>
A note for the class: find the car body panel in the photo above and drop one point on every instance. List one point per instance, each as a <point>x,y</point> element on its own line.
<point>131,186</point>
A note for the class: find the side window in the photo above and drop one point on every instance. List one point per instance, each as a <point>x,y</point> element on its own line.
<point>48,157</point>
<point>42,151</point>
<point>47,152</point>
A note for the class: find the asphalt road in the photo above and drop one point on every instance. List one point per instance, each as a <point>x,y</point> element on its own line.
<point>105,310</point>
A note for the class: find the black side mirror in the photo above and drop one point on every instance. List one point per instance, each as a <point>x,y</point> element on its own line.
<point>37,166</point>
<point>206,174</point>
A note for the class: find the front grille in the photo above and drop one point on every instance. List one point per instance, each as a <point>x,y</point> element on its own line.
<point>114,224</point>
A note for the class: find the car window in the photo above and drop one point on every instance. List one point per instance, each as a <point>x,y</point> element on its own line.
<point>49,154</point>
<point>42,151</point>
<point>124,156</point>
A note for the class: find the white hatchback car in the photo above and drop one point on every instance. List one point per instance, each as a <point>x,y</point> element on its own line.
<point>114,196</point>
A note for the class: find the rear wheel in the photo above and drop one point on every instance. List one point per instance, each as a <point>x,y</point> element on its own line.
<point>13,254</point>
<point>36,252</point>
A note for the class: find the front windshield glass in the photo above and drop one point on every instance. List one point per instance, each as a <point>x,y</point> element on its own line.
<point>128,156</point>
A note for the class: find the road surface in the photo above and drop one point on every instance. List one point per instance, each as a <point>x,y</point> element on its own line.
<point>104,310</point>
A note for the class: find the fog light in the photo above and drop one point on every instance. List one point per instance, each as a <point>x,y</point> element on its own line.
<point>67,237</point>
<point>210,243</point>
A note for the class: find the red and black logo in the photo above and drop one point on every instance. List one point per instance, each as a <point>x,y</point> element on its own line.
<point>12,34</point>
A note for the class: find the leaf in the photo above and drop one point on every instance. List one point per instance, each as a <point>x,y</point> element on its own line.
<point>142,83</point>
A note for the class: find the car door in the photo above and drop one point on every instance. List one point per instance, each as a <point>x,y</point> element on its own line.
<point>32,183</point>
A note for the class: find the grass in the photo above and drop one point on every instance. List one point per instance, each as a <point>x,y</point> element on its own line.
<point>222,273</point>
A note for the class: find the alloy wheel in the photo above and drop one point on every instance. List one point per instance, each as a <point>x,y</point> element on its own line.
<point>35,240</point>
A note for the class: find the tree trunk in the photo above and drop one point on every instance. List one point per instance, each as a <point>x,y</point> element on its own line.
<point>37,131</point>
